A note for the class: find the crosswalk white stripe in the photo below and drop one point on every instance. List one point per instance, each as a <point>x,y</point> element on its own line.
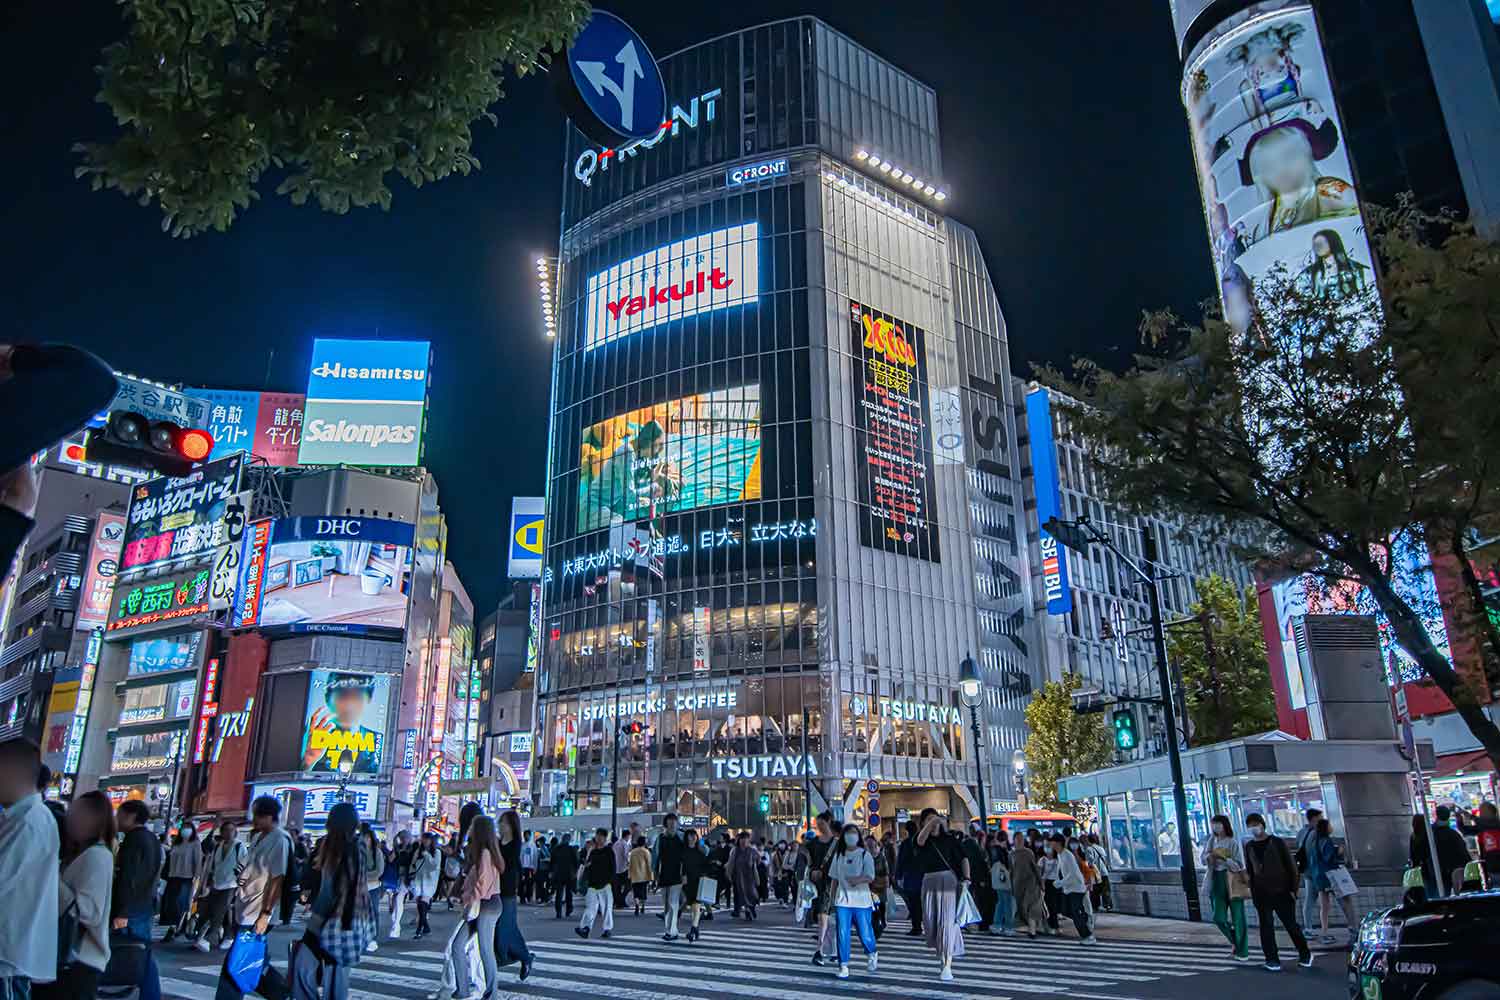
<point>182,988</point>
<point>1023,963</point>
<point>1066,950</point>
<point>1138,950</point>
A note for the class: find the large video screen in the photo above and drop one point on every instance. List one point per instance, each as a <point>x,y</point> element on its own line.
<point>344,728</point>
<point>680,455</point>
<point>162,653</point>
<point>334,570</point>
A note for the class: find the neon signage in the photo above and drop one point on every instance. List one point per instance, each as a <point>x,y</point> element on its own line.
<point>752,172</point>
<point>591,161</point>
<point>675,545</point>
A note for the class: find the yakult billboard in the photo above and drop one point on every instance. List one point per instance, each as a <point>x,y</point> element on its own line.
<point>717,270</point>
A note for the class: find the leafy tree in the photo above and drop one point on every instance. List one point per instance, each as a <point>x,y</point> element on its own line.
<point>329,97</point>
<point>1061,742</point>
<point>1222,658</point>
<point>1332,435</point>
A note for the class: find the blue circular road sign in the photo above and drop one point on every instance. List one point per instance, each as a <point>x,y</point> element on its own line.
<point>613,89</point>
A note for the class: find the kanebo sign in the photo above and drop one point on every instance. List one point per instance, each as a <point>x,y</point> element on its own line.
<point>590,161</point>
<point>911,711</point>
<point>764,766</point>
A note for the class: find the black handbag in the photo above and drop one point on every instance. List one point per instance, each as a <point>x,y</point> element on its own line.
<point>67,937</point>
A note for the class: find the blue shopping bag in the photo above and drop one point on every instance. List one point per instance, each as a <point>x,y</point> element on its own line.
<point>247,960</point>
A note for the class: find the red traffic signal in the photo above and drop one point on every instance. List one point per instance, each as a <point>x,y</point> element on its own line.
<point>130,439</point>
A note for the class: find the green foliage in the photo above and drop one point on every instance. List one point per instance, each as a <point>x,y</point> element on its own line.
<point>1320,437</point>
<point>1061,742</point>
<point>329,96</point>
<point>1222,659</point>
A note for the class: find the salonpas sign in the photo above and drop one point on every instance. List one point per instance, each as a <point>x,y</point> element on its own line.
<point>764,766</point>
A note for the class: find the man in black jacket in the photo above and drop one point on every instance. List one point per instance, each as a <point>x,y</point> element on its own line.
<point>1273,890</point>
<point>668,865</point>
<point>599,876</point>
<point>137,864</point>
<point>1452,852</point>
<point>564,873</point>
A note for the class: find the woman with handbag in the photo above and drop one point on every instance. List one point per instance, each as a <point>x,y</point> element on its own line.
<point>1331,880</point>
<point>880,886</point>
<point>694,869</point>
<point>184,864</point>
<point>1227,884</point>
<point>851,870</point>
<point>340,919</point>
<point>83,900</point>
<point>426,864</point>
<point>945,873</point>
<point>480,899</point>
<point>510,945</point>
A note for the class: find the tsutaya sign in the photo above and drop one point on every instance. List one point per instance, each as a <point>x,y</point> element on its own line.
<point>764,766</point>
<point>911,711</point>
<point>680,700</point>
<point>591,161</point>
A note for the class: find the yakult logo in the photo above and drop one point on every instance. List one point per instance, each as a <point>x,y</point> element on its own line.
<point>716,270</point>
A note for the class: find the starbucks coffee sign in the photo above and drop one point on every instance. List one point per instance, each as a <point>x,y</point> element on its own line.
<point>764,766</point>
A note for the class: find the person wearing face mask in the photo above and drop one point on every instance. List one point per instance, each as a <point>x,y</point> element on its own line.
<point>1225,883</point>
<point>1026,886</point>
<point>851,870</point>
<point>1051,896</point>
<point>1273,890</point>
<point>1072,887</point>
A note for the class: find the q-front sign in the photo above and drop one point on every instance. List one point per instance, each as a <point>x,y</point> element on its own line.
<point>764,766</point>
<point>590,161</point>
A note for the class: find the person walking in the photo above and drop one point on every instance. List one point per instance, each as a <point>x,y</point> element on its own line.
<point>666,860</point>
<point>544,868</point>
<point>819,848</point>
<point>599,877</point>
<point>564,875</point>
<point>1093,849</point>
<point>1051,895</point>
<point>851,870</point>
<point>1452,852</point>
<point>1226,885</point>
<point>944,873</point>
<point>29,850</point>
<point>184,864</point>
<point>744,876</point>
<point>909,877</point>
<point>621,851</point>
<point>1273,891</point>
<point>973,847</point>
<point>1324,857</point>
<point>394,880</point>
<point>694,868</point>
<point>1300,853</point>
<point>879,886</point>
<point>261,883</point>
<point>1026,886</point>
<point>88,866</point>
<point>510,945</point>
<point>479,902</point>
<point>1072,887</point>
<point>426,866</point>
<point>372,861</point>
<point>339,917</point>
<point>1000,884</point>
<point>221,875</point>
<point>528,872</point>
<point>138,863</point>
<point>640,873</point>
<point>1485,829</point>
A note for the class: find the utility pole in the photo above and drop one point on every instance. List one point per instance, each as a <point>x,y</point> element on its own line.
<point>614,771</point>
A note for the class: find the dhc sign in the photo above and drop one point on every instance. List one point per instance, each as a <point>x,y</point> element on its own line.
<point>752,172</point>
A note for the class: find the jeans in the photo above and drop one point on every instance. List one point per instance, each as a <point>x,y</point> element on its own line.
<point>1309,902</point>
<point>15,988</point>
<point>458,956</point>
<point>272,986</point>
<point>671,896</point>
<point>564,891</point>
<point>139,928</point>
<point>1285,909</point>
<point>305,971</point>
<point>1229,914</point>
<point>398,906</point>
<point>596,902</point>
<point>510,944</point>
<point>424,907</point>
<point>489,916</point>
<point>860,916</point>
<point>1005,902</point>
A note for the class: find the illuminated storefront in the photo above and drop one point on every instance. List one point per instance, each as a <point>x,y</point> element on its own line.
<point>784,496</point>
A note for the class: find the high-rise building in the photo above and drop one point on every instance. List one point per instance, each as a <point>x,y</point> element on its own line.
<point>784,502</point>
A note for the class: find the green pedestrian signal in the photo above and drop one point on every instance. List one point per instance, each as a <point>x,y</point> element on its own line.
<point>1125,734</point>
<point>765,802</point>
<point>567,807</point>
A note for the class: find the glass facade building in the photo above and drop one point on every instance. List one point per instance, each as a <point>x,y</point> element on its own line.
<point>783,499</point>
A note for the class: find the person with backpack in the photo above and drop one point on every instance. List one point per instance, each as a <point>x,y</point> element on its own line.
<point>1098,857</point>
<point>1273,892</point>
<point>83,899</point>
<point>425,864</point>
<point>341,920</point>
<point>221,873</point>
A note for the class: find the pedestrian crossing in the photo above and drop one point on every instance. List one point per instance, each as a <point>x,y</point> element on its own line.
<point>772,961</point>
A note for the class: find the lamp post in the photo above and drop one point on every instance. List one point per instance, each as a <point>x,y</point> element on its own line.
<point>969,687</point>
<point>1018,765</point>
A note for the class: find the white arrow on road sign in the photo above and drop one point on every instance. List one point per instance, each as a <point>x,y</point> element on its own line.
<point>624,91</point>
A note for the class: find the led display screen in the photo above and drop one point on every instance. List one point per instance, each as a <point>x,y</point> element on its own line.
<point>893,436</point>
<point>527,515</point>
<point>366,401</point>
<point>175,597</point>
<point>700,274</point>
<point>680,455</point>
<point>103,564</point>
<point>344,728</point>
<point>178,518</point>
<point>162,653</point>
<point>1048,502</point>
<point>346,570</point>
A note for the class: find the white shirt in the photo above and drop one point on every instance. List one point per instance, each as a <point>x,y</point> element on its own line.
<point>1069,876</point>
<point>28,919</point>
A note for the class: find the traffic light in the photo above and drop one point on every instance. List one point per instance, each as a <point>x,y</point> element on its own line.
<point>1125,734</point>
<point>765,802</point>
<point>565,807</point>
<point>633,728</point>
<point>131,440</point>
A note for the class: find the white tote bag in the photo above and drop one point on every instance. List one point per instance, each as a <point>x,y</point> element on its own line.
<point>1342,882</point>
<point>708,890</point>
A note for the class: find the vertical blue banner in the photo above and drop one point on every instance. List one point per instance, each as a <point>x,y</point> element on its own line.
<point>1048,503</point>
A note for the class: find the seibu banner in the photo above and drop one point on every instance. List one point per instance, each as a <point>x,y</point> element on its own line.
<point>717,270</point>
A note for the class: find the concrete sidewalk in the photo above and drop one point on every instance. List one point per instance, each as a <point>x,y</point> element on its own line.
<point>1130,927</point>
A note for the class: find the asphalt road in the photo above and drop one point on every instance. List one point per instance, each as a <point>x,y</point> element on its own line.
<point>771,959</point>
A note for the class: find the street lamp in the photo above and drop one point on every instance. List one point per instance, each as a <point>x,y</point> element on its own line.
<point>969,687</point>
<point>1018,765</point>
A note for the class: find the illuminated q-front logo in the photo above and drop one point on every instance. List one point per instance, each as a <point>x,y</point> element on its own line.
<point>590,161</point>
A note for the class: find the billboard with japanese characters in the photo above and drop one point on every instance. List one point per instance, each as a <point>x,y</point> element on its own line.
<point>174,519</point>
<point>266,425</point>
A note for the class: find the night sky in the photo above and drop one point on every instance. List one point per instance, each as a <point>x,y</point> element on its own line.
<point>1064,146</point>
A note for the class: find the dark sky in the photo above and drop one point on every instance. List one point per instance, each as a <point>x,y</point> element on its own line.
<point>1064,146</point>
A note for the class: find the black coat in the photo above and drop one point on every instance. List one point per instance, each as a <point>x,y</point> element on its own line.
<point>137,865</point>
<point>564,863</point>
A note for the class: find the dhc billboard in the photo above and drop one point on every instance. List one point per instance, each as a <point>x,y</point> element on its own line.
<point>1048,503</point>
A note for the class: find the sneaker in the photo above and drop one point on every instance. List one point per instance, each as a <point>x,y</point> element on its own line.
<point>817,958</point>
<point>1091,939</point>
<point>946,975</point>
<point>669,937</point>
<point>202,945</point>
<point>372,946</point>
<point>873,963</point>
<point>1306,962</point>
<point>605,934</point>
<point>1272,966</point>
<point>526,967</point>
<point>843,972</point>
<point>1242,958</point>
<point>226,944</point>
<point>582,932</point>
